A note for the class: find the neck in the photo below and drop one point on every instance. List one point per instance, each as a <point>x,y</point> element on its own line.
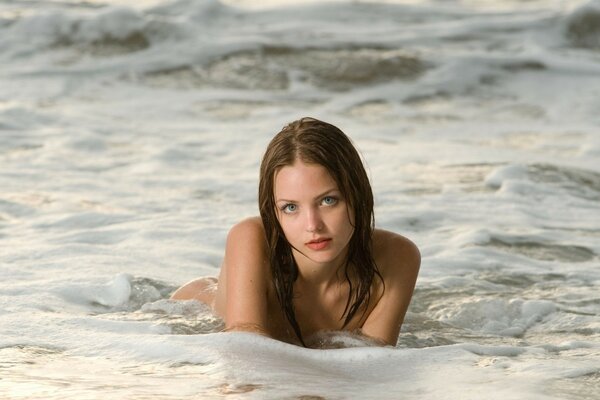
<point>319,275</point>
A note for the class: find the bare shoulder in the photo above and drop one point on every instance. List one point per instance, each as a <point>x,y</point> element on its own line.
<point>245,250</point>
<point>398,261</point>
<point>249,227</point>
<point>241,295</point>
<point>395,255</point>
<point>246,246</point>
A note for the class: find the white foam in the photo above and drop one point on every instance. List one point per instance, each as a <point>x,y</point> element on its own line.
<point>111,294</point>
<point>180,307</point>
<point>502,174</point>
<point>497,316</point>
<point>435,372</point>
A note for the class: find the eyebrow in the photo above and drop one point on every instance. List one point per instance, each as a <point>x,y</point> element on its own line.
<point>325,193</point>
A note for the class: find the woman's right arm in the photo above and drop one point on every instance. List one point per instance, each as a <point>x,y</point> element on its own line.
<point>247,273</point>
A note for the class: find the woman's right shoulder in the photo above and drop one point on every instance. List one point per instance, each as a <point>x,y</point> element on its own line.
<point>251,227</point>
<point>244,279</point>
<point>249,232</point>
<point>246,249</point>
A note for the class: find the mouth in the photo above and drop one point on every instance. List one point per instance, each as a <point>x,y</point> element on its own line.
<point>318,244</point>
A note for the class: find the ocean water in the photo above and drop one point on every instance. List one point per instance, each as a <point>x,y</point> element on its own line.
<point>130,139</point>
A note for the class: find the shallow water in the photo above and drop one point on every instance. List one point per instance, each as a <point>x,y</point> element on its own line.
<point>130,137</point>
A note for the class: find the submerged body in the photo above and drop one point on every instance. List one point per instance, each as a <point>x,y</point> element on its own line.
<point>318,224</point>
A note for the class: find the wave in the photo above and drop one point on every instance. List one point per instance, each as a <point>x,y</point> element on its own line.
<point>575,182</point>
<point>278,68</point>
<point>123,293</point>
<point>583,26</point>
<point>544,251</point>
<point>423,57</point>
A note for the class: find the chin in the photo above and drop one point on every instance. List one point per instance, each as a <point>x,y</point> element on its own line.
<point>323,258</point>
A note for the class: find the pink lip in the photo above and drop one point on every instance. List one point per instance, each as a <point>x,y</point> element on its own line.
<point>318,244</point>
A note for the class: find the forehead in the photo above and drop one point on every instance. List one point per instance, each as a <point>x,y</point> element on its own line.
<point>301,179</point>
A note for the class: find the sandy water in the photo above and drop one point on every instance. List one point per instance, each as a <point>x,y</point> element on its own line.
<point>130,138</point>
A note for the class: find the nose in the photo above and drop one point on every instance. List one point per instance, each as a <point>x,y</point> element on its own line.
<point>314,222</point>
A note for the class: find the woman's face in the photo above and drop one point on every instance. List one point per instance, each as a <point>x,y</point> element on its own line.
<point>313,213</point>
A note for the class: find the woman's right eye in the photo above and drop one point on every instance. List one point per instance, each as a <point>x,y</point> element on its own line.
<point>289,208</point>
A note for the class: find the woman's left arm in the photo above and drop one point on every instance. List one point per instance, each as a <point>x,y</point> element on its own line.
<point>398,262</point>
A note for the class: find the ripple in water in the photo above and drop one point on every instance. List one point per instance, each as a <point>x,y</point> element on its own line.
<point>544,251</point>
<point>583,27</point>
<point>274,69</point>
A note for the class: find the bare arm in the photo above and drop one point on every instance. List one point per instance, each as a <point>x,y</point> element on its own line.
<point>399,264</point>
<point>246,271</point>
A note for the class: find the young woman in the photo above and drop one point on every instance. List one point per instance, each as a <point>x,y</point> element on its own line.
<point>312,261</point>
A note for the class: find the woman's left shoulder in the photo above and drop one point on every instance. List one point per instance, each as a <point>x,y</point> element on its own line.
<point>395,255</point>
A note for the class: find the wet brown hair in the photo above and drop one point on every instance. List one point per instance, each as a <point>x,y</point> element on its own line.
<point>317,142</point>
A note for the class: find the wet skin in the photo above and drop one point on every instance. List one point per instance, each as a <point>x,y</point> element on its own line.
<point>318,224</point>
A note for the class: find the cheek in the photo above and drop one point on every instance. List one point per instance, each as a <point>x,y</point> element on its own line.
<point>346,217</point>
<point>287,227</point>
<point>343,223</point>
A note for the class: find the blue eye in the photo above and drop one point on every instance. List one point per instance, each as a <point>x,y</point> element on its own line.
<point>289,208</point>
<point>329,201</point>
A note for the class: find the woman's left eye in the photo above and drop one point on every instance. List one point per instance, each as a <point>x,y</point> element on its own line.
<point>329,201</point>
